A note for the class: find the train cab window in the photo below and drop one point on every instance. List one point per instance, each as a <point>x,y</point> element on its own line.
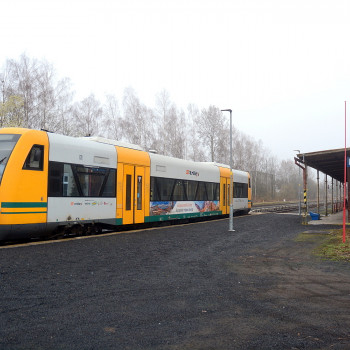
<point>35,158</point>
<point>7,144</point>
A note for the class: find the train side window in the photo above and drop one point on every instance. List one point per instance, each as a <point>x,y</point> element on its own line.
<point>201,194</point>
<point>109,186</point>
<point>55,179</point>
<point>191,189</point>
<point>211,190</point>
<point>245,191</point>
<point>224,194</point>
<point>139,193</point>
<point>165,188</point>
<point>35,158</point>
<point>209,187</point>
<point>71,180</point>
<point>70,188</point>
<point>90,180</point>
<point>216,193</point>
<point>154,196</point>
<point>178,191</point>
<point>228,195</point>
<point>240,190</point>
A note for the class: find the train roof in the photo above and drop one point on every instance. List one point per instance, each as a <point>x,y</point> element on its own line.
<point>62,146</point>
<point>170,167</point>
<point>113,142</point>
<point>227,167</point>
<point>75,150</point>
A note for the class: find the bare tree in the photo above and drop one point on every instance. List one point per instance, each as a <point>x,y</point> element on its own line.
<point>175,133</point>
<point>45,95</point>
<point>287,180</point>
<point>195,151</point>
<point>11,112</point>
<point>63,121</point>
<point>134,123</point>
<point>112,126</point>
<point>150,139</point>
<point>22,81</point>
<point>87,114</point>
<point>35,83</point>
<point>163,119</point>
<point>210,124</point>
<point>32,97</point>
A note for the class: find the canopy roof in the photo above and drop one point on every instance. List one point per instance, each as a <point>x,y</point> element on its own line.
<point>330,162</point>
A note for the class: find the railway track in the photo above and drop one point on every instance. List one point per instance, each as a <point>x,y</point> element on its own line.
<point>280,208</point>
<point>275,209</point>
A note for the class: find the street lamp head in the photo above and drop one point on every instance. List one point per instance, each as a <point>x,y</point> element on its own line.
<point>296,150</point>
<point>226,110</point>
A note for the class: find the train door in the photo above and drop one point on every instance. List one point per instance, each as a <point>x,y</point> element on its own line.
<point>224,195</point>
<point>133,194</point>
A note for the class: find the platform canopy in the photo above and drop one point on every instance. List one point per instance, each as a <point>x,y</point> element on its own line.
<point>329,162</point>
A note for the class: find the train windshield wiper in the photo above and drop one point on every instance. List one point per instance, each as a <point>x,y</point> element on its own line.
<point>2,159</point>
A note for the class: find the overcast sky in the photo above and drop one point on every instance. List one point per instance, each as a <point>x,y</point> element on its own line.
<point>283,67</point>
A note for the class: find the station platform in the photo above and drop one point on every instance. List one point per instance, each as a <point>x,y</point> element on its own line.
<point>331,219</point>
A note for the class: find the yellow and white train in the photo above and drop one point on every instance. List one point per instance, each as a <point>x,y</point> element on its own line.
<point>54,183</point>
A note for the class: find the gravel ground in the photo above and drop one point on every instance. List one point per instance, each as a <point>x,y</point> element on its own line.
<point>192,287</point>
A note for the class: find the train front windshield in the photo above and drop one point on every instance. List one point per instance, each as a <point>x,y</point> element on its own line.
<point>7,143</point>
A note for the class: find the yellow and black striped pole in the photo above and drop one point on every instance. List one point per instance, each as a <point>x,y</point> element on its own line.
<point>305,207</point>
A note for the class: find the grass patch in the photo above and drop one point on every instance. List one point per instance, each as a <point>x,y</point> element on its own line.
<point>312,237</point>
<point>333,248</point>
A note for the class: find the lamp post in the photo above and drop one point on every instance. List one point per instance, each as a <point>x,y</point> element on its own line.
<point>298,150</point>
<point>230,227</point>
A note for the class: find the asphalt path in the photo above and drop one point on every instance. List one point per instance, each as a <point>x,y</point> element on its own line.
<point>194,286</point>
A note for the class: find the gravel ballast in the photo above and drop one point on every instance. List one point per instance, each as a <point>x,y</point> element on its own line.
<point>194,286</point>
